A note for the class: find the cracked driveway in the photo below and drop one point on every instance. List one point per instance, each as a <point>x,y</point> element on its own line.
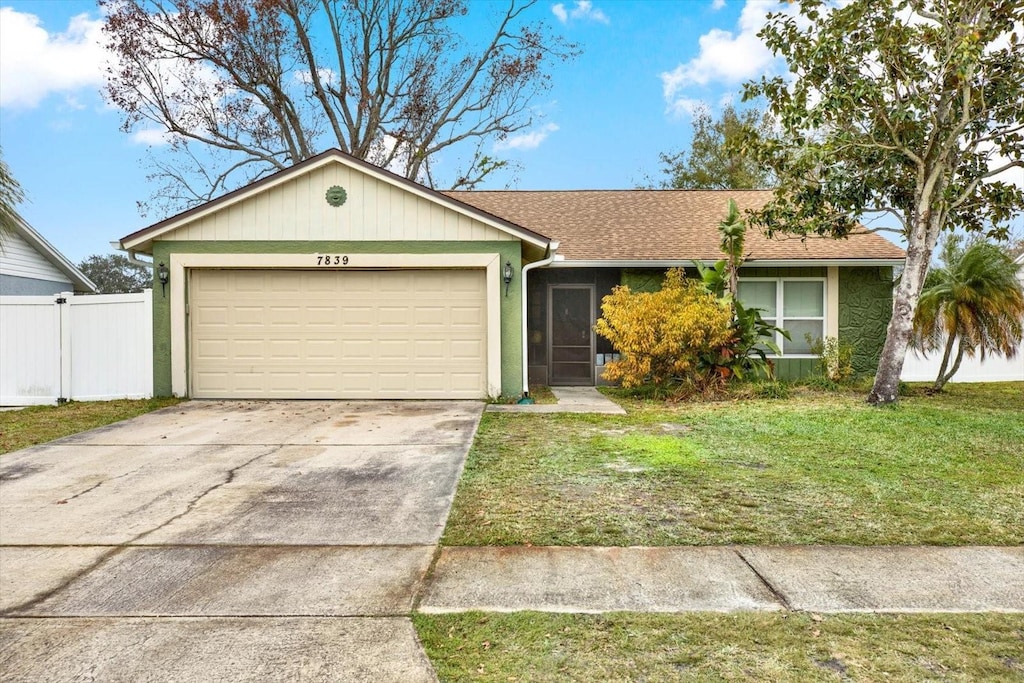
<point>228,541</point>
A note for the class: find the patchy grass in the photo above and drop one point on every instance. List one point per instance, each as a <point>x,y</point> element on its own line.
<point>539,394</point>
<point>750,646</point>
<point>542,395</point>
<point>818,468</point>
<point>39,424</point>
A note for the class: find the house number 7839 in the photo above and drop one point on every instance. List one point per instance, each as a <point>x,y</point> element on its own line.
<point>331,260</point>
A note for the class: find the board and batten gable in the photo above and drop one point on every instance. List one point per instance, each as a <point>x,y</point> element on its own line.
<point>374,210</point>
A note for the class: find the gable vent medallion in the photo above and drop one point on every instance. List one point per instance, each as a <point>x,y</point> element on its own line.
<point>336,195</point>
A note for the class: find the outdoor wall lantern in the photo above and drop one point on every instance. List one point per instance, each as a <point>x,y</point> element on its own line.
<point>506,276</point>
<point>163,275</point>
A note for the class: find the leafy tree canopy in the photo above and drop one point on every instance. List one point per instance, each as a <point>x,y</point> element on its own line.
<point>115,274</point>
<point>243,88</point>
<point>714,160</point>
<point>909,108</point>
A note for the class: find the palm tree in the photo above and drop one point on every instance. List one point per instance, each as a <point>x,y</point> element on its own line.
<point>974,302</point>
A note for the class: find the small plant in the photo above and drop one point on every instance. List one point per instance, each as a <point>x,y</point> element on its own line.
<point>752,337</point>
<point>835,358</point>
<point>773,389</point>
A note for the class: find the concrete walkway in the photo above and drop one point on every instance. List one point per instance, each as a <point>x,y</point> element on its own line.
<point>570,400</point>
<point>721,579</point>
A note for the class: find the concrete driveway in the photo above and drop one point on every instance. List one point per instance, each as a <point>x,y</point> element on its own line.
<point>228,541</point>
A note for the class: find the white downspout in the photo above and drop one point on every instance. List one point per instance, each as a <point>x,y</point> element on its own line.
<point>552,248</point>
<point>132,258</point>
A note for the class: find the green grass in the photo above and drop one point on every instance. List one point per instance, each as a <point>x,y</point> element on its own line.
<point>750,646</point>
<point>39,424</point>
<point>817,468</point>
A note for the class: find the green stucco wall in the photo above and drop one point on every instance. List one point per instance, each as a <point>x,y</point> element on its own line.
<point>511,305</point>
<point>642,279</point>
<point>865,306</point>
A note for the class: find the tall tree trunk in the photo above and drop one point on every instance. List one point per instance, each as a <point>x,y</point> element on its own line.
<point>941,382</point>
<point>897,339</point>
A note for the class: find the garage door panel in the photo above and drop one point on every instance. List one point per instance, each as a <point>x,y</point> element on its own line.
<point>466,350</point>
<point>358,316</point>
<point>470,316</point>
<point>338,334</point>
<point>212,349</point>
<point>393,315</point>
<point>244,350</point>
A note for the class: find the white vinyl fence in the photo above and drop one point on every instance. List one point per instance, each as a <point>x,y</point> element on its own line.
<point>84,348</point>
<point>994,369</point>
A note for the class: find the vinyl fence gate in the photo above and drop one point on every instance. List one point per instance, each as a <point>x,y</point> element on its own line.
<point>64,347</point>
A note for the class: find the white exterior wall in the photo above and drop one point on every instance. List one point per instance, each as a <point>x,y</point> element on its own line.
<point>18,258</point>
<point>91,348</point>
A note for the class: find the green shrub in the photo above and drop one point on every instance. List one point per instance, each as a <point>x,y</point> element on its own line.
<point>835,358</point>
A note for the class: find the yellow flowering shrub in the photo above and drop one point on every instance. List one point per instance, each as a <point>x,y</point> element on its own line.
<point>661,335</point>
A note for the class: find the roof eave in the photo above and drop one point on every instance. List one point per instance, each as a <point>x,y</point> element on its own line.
<point>142,240</point>
<point>79,279</point>
<point>678,263</point>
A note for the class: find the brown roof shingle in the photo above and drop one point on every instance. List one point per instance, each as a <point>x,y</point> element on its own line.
<point>661,225</point>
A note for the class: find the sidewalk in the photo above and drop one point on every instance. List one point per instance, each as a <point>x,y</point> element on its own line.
<point>570,400</point>
<point>718,579</point>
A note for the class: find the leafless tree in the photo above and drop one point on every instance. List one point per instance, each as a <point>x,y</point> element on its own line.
<point>242,88</point>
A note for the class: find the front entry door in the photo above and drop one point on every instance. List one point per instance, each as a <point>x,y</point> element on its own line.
<point>571,334</point>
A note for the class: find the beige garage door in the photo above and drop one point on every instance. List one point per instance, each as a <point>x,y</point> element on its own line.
<point>338,334</point>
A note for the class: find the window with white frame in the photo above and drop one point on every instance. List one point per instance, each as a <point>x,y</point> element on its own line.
<point>797,305</point>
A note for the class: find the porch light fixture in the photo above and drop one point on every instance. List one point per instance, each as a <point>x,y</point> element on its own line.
<point>163,275</point>
<point>506,276</point>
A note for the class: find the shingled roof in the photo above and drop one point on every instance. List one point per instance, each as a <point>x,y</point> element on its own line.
<point>659,225</point>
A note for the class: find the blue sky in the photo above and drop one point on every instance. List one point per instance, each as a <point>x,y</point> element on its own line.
<point>608,115</point>
<point>601,125</point>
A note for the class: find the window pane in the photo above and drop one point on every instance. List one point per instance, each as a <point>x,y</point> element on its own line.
<point>803,299</point>
<point>759,295</point>
<point>797,330</point>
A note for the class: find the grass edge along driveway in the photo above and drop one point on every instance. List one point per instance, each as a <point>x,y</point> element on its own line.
<point>34,425</point>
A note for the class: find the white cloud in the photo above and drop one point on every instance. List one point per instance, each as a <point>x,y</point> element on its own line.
<point>35,63</point>
<point>584,10</point>
<point>685,106</point>
<point>305,77</point>
<point>728,57</point>
<point>717,5</point>
<point>529,140</point>
<point>156,137</point>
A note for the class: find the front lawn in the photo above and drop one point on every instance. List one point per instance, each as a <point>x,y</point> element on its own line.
<point>749,646</point>
<point>38,424</point>
<point>818,468</point>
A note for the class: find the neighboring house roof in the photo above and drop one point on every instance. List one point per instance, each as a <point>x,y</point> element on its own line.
<point>21,229</point>
<point>661,225</point>
<point>141,240</point>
